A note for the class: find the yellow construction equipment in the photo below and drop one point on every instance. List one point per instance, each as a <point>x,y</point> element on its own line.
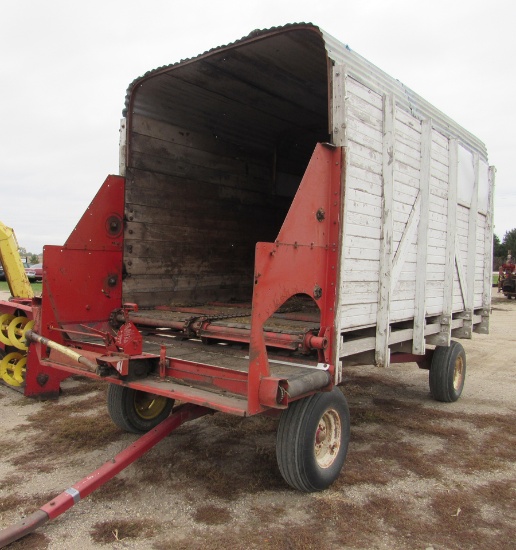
<point>12,327</point>
<point>13,267</point>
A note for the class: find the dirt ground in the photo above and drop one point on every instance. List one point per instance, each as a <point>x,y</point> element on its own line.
<point>419,474</point>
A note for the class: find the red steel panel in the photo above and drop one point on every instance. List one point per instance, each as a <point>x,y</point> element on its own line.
<point>303,259</point>
<point>101,226</point>
<point>82,280</point>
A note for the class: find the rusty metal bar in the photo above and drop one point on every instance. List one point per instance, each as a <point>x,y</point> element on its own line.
<point>309,382</point>
<point>154,323</point>
<point>303,339</point>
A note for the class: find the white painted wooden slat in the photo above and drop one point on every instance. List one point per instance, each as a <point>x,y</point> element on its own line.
<point>364,154</point>
<point>405,242</point>
<point>405,237</point>
<point>364,95</point>
<point>440,155</point>
<point>450,243</point>
<point>353,347</point>
<point>483,327</point>
<point>472,236</point>
<point>362,253</point>
<point>407,166</point>
<point>367,187</point>
<point>418,343</point>
<point>438,191</point>
<point>410,180</point>
<point>402,197</point>
<point>363,161</point>
<point>362,219</point>
<point>461,272</point>
<point>357,173</point>
<point>339,123</point>
<point>122,151</point>
<point>440,141</point>
<point>407,120</point>
<point>356,195</point>
<point>408,154</point>
<point>362,231</point>
<point>363,243</point>
<point>371,134</point>
<point>339,106</point>
<point>357,88</point>
<point>382,353</point>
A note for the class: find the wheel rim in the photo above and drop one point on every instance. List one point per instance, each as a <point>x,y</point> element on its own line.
<point>149,406</point>
<point>328,438</point>
<point>458,373</point>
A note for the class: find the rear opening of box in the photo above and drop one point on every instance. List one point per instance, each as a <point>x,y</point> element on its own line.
<point>217,147</point>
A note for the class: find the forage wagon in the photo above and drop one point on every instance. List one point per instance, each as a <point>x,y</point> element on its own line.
<point>283,209</point>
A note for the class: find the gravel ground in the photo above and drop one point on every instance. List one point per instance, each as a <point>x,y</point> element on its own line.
<point>419,474</point>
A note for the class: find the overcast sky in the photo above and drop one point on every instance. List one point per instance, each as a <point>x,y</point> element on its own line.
<point>65,67</point>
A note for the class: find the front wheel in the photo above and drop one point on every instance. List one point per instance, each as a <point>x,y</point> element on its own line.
<point>136,411</point>
<point>447,372</point>
<point>312,440</point>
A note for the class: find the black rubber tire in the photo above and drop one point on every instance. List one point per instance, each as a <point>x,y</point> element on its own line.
<point>447,372</point>
<point>123,409</point>
<point>296,440</point>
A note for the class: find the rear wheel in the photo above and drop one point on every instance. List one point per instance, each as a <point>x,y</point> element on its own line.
<point>447,372</point>
<point>312,440</point>
<point>136,411</point>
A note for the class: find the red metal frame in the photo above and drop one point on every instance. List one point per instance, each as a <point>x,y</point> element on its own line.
<point>83,290</point>
<point>302,260</point>
<point>82,281</point>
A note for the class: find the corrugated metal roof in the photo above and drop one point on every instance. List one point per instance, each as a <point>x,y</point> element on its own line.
<point>357,67</point>
<point>257,33</point>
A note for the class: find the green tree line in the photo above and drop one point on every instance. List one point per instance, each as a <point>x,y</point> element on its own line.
<point>502,248</point>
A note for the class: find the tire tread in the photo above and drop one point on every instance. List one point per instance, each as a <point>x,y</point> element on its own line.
<point>440,377</point>
<point>119,399</point>
<point>292,438</point>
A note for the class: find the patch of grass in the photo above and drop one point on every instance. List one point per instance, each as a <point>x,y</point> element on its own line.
<point>366,525</point>
<point>212,515</point>
<point>476,442</point>
<point>105,532</point>
<point>11,481</point>
<point>268,514</point>
<point>288,536</point>
<point>8,447</point>
<point>114,489</point>
<point>238,427</point>
<point>58,434</point>
<point>228,465</point>
<point>26,503</point>
<point>11,502</point>
<point>384,520</point>
<point>34,541</point>
<point>86,385</point>
<point>36,287</point>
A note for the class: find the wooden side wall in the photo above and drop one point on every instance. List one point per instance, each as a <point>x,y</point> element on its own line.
<point>195,208</point>
<point>409,220</point>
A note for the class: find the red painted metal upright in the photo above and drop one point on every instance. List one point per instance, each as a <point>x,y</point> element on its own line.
<point>82,281</point>
<point>302,260</point>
